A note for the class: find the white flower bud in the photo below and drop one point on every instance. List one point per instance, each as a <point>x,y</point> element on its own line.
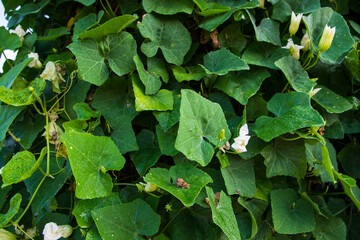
<point>242,140</point>
<point>36,62</point>
<point>53,232</point>
<point>294,49</point>
<point>18,31</point>
<point>149,187</point>
<point>295,23</point>
<point>305,42</point>
<point>314,91</point>
<point>326,38</point>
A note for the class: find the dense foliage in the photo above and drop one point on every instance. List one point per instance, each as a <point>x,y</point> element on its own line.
<point>180,119</point>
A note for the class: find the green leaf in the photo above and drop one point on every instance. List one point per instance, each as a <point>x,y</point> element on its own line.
<point>50,186</point>
<point>239,177</point>
<point>8,78</point>
<point>74,126</point>
<point>283,8</point>
<point>77,93</point>
<point>85,23</point>
<point>92,66</point>
<point>332,228</point>
<point>332,102</point>
<point>295,74</point>
<point>12,211</point>
<point>157,66</point>
<point>352,63</point>
<point>166,179</point>
<point>84,112</point>
<point>342,42</point>
<point>263,54</point>
<point>192,73</point>
<point>350,188</point>
<point>86,2</point>
<point>20,167</point>
<point>267,31</point>
<point>167,140</point>
<point>200,122</point>
<point>93,234</point>
<point>8,41</point>
<point>121,48</point>
<point>7,115</point>
<point>167,34</point>
<point>31,8</point>
<point>292,110</point>
<point>168,8</point>
<point>285,158</point>
<point>348,158</point>
<point>28,129</point>
<point>223,214</point>
<point>118,108</point>
<point>122,51</point>
<point>90,157</point>
<point>148,152</point>
<point>256,208</point>
<point>242,85</point>
<point>150,80</point>
<point>223,61</point>
<point>22,97</point>
<point>168,119</point>
<point>53,33</point>
<point>83,208</point>
<point>161,101</point>
<point>291,215</point>
<point>127,220</point>
<point>232,38</point>
<point>113,26</point>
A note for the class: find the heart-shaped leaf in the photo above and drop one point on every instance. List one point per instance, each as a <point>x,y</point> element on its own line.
<point>167,34</point>
<point>291,215</point>
<point>200,122</point>
<point>126,220</point>
<point>332,102</point>
<point>90,157</point>
<point>222,61</point>
<point>342,42</point>
<point>292,110</point>
<point>166,179</point>
<point>168,8</point>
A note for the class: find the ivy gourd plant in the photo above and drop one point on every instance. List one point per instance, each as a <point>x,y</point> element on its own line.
<point>180,119</point>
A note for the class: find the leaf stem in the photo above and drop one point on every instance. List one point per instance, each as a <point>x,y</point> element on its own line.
<point>18,227</point>
<point>16,139</point>
<point>31,200</point>
<point>167,225</point>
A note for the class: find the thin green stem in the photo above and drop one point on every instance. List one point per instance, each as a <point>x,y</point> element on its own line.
<point>31,89</point>
<point>102,4</point>
<point>167,225</point>
<point>22,230</point>
<point>18,140</point>
<point>125,184</point>
<point>38,111</point>
<point>296,138</point>
<point>7,60</point>
<point>67,90</point>
<point>287,84</point>
<point>47,145</point>
<point>110,8</point>
<point>31,200</point>
<point>317,59</point>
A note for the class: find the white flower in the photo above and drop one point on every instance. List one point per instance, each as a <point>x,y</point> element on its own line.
<point>18,31</point>
<point>149,187</point>
<point>294,49</point>
<point>53,232</point>
<point>36,62</point>
<point>1,169</point>
<point>226,146</point>
<point>326,38</point>
<point>51,73</point>
<point>305,42</point>
<point>242,140</point>
<point>314,91</point>
<point>294,23</point>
